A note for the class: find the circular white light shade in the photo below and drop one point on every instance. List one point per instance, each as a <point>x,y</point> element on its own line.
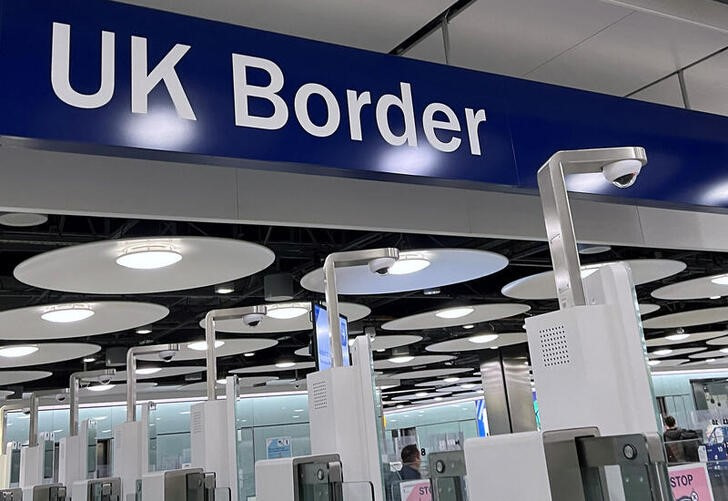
<point>696,288</point>
<point>409,263</point>
<point>148,371</point>
<point>202,345</point>
<point>100,388</point>
<point>16,377</point>
<point>274,368</point>
<point>447,266</point>
<point>269,325</point>
<point>92,268</point>
<point>50,353</point>
<point>464,343</point>
<point>287,311</point>
<point>286,364</point>
<point>646,309</point>
<point>149,257</point>
<point>109,316</point>
<point>543,285</point>
<point>401,360</point>
<point>18,351</point>
<point>481,313</point>
<point>161,372</point>
<point>455,313</point>
<point>688,318</point>
<point>381,365</point>
<point>661,353</point>
<point>694,337</point>
<point>482,338</point>
<point>65,314</point>
<point>230,348</point>
<point>22,219</point>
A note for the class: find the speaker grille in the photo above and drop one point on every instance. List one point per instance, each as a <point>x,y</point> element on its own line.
<point>554,346</point>
<point>320,395</point>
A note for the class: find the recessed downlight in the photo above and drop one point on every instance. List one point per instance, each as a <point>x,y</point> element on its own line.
<point>202,345</point>
<point>224,289</point>
<point>677,337</point>
<point>98,388</point>
<point>17,351</point>
<point>249,354</point>
<point>456,312</point>
<point>663,352</point>
<point>401,359</point>
<point>451,380</point>
<point>287,312</point>
<point>421,394</point>
<point>285,364</point>
<point>468,327</point>
<point>720,280</point>
<point>149,257</point>
<point>724,350</point>
<point>715,297</point>
<point>483,338</point>
<point>144,330</point>
<point>67,314</point>
<point>89,360</point>
<point>409,263</point>
<point>653,363</point>
<point>148,371</point>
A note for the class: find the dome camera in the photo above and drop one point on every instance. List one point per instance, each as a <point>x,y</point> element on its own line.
<point>61,397</point>
<point>253,319</point>
<point>105,379</point>
<point>381,265</point>
<point>622,173</point>
<point>167,355</point>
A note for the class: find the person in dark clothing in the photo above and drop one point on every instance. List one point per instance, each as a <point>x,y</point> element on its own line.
<point>411,461</point>
<point>681,445</point>
<point>673,432</point>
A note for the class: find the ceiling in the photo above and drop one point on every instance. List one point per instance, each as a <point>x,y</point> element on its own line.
<point>616,47</point>
<point>299,251</point>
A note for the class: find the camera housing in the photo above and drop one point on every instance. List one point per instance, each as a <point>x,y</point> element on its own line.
<point>106,379</point>
<point>167,355</point>
<point>622,173</point>
<point>253,319</point>
<point>61,397</point>
<point>381,265</point>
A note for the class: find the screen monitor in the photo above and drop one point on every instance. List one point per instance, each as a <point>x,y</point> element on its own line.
<point>322,338</point>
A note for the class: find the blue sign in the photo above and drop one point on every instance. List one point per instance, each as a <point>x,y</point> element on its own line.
<point>278,447</point>
<point>106,77</point>
<point>481,418</point>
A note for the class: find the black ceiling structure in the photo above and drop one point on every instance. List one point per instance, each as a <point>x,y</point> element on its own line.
<point>299,251</point>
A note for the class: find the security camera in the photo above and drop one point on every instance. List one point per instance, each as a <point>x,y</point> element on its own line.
<point>381,265</point>
<point>61,397</point>
<point>105,379</point>
<point>167,355</point>
<point>622,173</point>
<point>253,319</point>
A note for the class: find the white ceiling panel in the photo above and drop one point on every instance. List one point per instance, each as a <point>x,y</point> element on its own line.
<point>630,54</point>
<point>513,37</point>
<point>377,25</point>
<point>430,48</point>
<point>666,92</point>
<point>707,85</point>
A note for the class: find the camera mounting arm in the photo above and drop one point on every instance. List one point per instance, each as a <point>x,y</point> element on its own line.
<point>211,337</point>
<point>344,260</point>
<point>131,380</point>
<point>557,210</point>
<point>34,408</point>
<point>73,383</point>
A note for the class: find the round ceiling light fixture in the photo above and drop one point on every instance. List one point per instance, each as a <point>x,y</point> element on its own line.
<point>409,263</point>
<point>724,350</point>
<point>65,314</point>
<point>653,363</point>
<point>149,257</point>
<point>148,371</point>
<point>144,330</point>
<point>451,380</point>
<point>22,219</point>
<point>287,311</point>
<point>401,359</point>
<point>17,351</point>
<point>285,364</point>
<point>202,345</point>
<point>720,280</point>
<point>483,338</point>
<point>663,352</point>
<point>98,388</point>
<point>679,335</point>
<point>456,312</point>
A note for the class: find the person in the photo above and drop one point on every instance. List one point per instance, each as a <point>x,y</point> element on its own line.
<point>673,432</point>
<point>681,445</point>
<point>411,462</point>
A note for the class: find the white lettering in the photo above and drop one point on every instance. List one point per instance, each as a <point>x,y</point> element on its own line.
<point>430,124</point>
<point>355,103</point>
<point>243,91</point>
<point>142,83</point>
<point>474,120</point>
<point>301,107</point>
<point>404,103</point>
<point>61,70</point>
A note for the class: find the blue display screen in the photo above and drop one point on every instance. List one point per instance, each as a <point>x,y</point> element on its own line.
<point>322,335</point>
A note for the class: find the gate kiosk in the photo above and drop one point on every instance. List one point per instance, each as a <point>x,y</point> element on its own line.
<point>7,457</point>
<point>593,345</point>
<point>36,460</point>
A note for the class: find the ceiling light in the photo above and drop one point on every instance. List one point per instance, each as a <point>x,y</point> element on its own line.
<point>468,386</point>
<point>148,371</point>
<point>438,399</point>
<point>285,365</point>
<point>715,297</point>
<point>432,291</point>
<point>144,330</point>
<point>710,360</point>
<point>662,352</point>
<point>249,355</point>
<point>720,280</point>
<point>677,337</point>
<point>17,351</point>
<point>451,380</point>
<point>149,257</point>
<point>724,350</point>
<point>67,314</point>
<point>400,406</point>
<point>468,327</point>
<point>457,312</point>
<point>652,363</point>
<point>483,338</point>
<point>402,359</point>
<point>202,345</point>
<point>101,387</point>
<point>286,312</point>
<point>224,289</point>
<point>421,394</point>
<point>380,350</point>
<point>409,263</point>
<point>89,360</point>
